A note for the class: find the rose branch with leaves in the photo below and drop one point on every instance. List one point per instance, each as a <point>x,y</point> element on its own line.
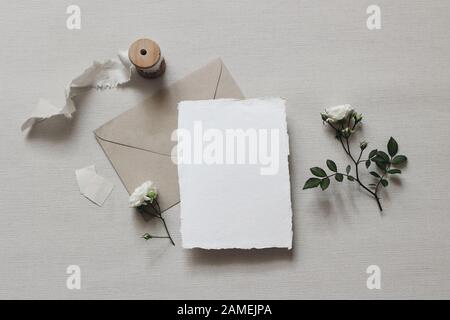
<point>381,165</point>
<point>145,200</point>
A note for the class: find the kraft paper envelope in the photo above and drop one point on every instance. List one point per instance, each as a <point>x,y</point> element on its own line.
<point>138,142</point>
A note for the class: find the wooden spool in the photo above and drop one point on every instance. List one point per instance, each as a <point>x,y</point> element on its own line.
<point>146,56</point>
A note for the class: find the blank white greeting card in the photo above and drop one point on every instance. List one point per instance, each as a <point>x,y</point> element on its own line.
<point>233,174</point>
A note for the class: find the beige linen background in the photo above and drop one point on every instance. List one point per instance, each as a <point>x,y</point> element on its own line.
<point>314,54</point>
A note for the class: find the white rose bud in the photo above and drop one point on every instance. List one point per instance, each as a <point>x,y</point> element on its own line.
<point>346,132</point>
<point>363,145</point>
<point>357,116</point>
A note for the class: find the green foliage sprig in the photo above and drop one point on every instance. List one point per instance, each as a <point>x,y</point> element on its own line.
<point>379,164</point>
<point>145,199</point>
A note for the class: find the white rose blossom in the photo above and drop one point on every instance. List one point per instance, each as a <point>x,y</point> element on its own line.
<point>337,113</point>
<point>146,196</point>
<point>145,192</point>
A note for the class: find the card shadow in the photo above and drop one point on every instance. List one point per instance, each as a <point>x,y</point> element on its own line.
<point>239,256</point>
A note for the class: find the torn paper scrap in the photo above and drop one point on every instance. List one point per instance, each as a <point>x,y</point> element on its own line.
<point>106,75</point>
<point>92,186</point>
<point>233,174</point>
<point>44,109</point>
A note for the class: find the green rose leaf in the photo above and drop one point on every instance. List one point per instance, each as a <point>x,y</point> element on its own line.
<point>384,183</point>
<point>376,175</point>
<point>377,158</point>
<point>312,183</point>
<point>339,177</point>
<point>381,164</point>
<point>325,183</point>
<point>348,169</point>
<point>350,178</point>
<point>368,164</point>
<point>318,172</point>
<point>399,159</point>
<point>331,165</point>
<point>373,153</point>
<point>392,147</point>
<point>383,155</point>
<point>394,171</point>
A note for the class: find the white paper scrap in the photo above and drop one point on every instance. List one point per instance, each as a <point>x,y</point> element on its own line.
<point>92,186</point>
<point>106,75</point>
<point>233,174</point>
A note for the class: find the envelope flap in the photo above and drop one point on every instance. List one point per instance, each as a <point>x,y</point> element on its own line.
<point>149,126</point>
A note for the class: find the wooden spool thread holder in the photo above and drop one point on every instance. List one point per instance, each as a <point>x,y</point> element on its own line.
<point>146,56</point>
